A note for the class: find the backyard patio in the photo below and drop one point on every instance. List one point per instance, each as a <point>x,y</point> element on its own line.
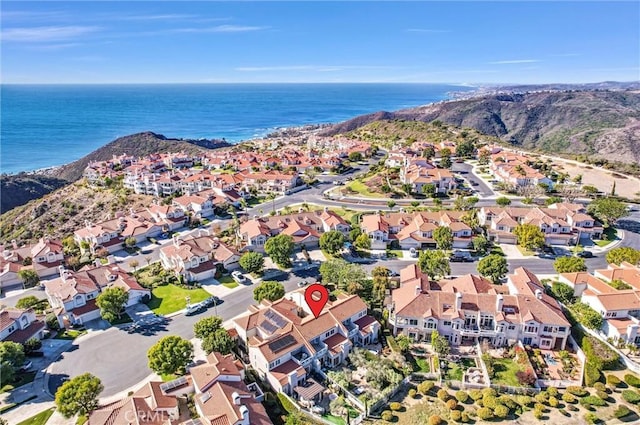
<point>555,365</point>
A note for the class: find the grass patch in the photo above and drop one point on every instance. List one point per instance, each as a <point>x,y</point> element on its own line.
<point>362,189</point>
<point>611,233</point>
<point>228,282</point>
<point>334,419</point>
<point>171,298</point>
<point>22,379</point>
<point>82,419</point>
<point>424,364</point>
<point>166,377</point>
<point>39,419</point>
<point>505,372</point>
<point>70,334</point>
<point>394,253</point>
<point>454,372</point>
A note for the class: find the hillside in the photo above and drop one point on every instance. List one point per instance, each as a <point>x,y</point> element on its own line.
<point>21,188</point>
<point>59,213</point>
<point>602,123</point>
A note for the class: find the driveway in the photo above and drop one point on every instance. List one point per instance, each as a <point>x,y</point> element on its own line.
<point>466,172</point>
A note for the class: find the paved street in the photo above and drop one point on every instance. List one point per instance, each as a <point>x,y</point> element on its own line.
<point>118,357</point>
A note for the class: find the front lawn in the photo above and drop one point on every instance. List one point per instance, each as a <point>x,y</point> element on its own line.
<point>124,318</point>
<point>39,419</point>
<point>21,379</point>
<point>228,282</point>
<point>171,298</point>
<point>611,235</point>
<point>524,251</point>
<point>70,334</point>
<point>505,372</point>
<point>362,189</point>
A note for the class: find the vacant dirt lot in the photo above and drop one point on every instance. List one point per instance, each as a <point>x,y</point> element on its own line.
<point>628,187</point>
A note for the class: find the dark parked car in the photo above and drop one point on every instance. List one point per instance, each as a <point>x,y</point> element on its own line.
<point>213,300</point>
<point>585,254</point>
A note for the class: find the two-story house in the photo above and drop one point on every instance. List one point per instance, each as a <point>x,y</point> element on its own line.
<point>284,341</point>
<point>18,325</point>
<point>44,257</point>
<point>198,257</point>
<point>470,308</point>
<point>73,294</point>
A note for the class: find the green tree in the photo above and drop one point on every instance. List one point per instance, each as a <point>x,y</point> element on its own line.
<point>280,248</point>
<point>569,265</point>
<point>354,233</point>
<point>462,204</point>
<point>111,303</point>
<point>434,263</point>
<point>252,262</point>
<point>78,395</point>
<point>130,242</point>
<point>428,152</point>
<point>270,290</point>
<point>219,341</point>
<point>407,188</point>
<point>608,210</point>
<point>493,266</point>
<point>562,292</point>
<point>363,242</point>
<point>465,149</point>
<point>445,158</point>
<point>443,237</point>
<point>404,342</point>
<point>391,204</point>
<point>481,244</point>
<point>619,255</point>
<point>484,156</point>
<point>355,156</point>
<point>31,345</point>
<point>380,284</point>
<point>11,358</point>
<point>170,355</point>
<point>440,344</point>
<point>503,201</point>
<point>28,302</point>
<point>529,236</point>
<point>29,278</point>
<point>342,274</point>
<point>207,326</point>
<point>332,241</point>
<point>590,190</point>
<point>429,190</point>
<point>587,316</point>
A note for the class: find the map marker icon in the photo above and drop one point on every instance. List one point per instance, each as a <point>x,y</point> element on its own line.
<point>316,297</point>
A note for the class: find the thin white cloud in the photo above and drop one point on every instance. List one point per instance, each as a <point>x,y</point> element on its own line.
<point>46,34</point>
<point>170,16</point>
<point>514,61</point>
<point>312,68</point>
<point>566,55</point>
<point>54,46</point>
<point>221,29</point>
<point>427,31</point>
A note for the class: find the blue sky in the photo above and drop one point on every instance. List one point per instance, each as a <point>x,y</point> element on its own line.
<point>218,42</point>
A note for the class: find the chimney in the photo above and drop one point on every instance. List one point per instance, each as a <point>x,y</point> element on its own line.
<point>236,398</point>
<point>539,294</point>
<point>418,289</point>
<point>245,415</point>
<point>458,301</point>
<point>14,243</point>
<point>97,262</point>
<point>499,303</point>
<point>176,239</point>
<point>61,271</point>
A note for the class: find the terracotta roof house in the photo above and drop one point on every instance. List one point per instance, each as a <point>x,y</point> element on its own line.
<point>284,341</point>
<point>43,257</point>
<point>415,230</point>
<point>18,325</point>
<point>470,308</point>
<point>620,308</point>
<point>304,227</point>
<point>198,257</point>
<point>73,294</point>
<point>561,223</point>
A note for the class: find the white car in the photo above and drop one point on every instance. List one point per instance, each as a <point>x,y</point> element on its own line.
<point>238,277</point>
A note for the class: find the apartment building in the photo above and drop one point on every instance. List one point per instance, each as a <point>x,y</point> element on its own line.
<point>512,168</point>
<point>470,308</point>
<point>561,223</point>
<point>419,173</point>
<point>73,294</point>
<point>284,341</point>
<point>304,227</point>
<point>620,308</point>
<point>198,257</point>
<point>43,257</point>
<point>414,230</point>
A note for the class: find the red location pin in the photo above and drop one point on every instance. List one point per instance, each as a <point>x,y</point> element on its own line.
<point>316,297</point>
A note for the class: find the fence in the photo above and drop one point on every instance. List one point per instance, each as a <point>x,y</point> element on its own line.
<point>356,421</point>
<point>380,403</point>
<point>349,396</point>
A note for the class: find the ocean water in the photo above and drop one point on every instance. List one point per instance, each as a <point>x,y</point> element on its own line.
<point>50,125</point>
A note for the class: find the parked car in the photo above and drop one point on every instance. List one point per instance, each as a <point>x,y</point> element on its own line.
<point>585,254</point>
<point>413,252</point>
<point>194,309</point>
<point>212,300</point>
<point>302,283</point>
<point>238,277</point>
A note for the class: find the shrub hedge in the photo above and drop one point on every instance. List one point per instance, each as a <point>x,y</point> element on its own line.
<point>621,411</point>
<point>632,380</point>
<point>631,396</point>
